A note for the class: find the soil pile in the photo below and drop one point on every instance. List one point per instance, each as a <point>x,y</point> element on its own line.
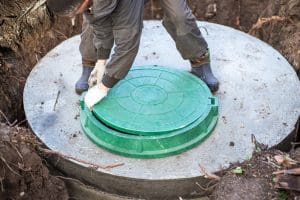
<point>27,32</point>
<point>261,177</point>
<point>279,25</point>
<point>23,175</point>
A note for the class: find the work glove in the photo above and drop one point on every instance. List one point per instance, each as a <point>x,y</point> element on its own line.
<point>97,73</point>
<point>94,96</point>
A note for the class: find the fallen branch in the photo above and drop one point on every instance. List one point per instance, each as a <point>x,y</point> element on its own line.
<point>94,166</point>
<point>295,171</point>
<point>208,174</point>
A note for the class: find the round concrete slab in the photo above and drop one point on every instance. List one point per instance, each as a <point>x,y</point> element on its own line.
<point>259,94</point>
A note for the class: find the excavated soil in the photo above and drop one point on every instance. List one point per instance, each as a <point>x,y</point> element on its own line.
<point>256,179</point>
<point>28,31</point>
<point>23,173</point>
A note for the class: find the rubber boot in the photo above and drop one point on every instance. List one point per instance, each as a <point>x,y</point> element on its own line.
<point>201,68</point>
<point>82,84</point>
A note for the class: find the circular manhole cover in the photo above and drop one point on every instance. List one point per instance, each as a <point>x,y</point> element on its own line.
<point>155,111</point>
<point>154,101</point>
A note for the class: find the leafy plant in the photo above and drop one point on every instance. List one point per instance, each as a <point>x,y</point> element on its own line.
<point>237,170</point>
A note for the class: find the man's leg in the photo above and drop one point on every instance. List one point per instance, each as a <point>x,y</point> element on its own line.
<point>181,25</point>
<point>89,56</point>
<point>128,23</point>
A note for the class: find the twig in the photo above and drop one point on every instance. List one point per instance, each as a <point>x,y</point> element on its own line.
<point>14,123</point>
<point>207,188</point>
<point>208,174</point>
<point>69,179</point>
<point>15,148</point>
<point>32,8</point>
<point>294,144</point>
<point>21,122</point>
<point>56,100</point>
<point>3,115</point>
<point>271,163</point>
<point>295,171</point>
<point>202,188</point>
<point>60,33</point>
<point>253,140</point>
<point>7,165</point>
<point>113,166</point>
<point>257,145</point>
<point>94,166</point>
<point>73,21</point>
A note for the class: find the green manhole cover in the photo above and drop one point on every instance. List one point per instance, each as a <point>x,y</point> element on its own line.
<point>154,101</point>
<point>155,111</point>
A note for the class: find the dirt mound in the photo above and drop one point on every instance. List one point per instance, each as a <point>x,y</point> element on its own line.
<point>279,26</point>
<point>242,188</point>
<point>22,172</point>
<point>254,179</point>
<point>27,32</point>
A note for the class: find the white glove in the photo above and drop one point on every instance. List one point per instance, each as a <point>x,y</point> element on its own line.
<point>97,73</point>
<point>93,96</point>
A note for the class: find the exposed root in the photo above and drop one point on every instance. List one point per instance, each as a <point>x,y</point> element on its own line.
<point>9,167</point>
<point>48,152</point>
<point>5,117</point>
<point>208,174</point>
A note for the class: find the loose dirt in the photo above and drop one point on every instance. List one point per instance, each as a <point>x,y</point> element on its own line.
<point>23,173</point>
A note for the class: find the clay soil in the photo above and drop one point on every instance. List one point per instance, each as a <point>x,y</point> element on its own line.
<point>23,173</point>
<point>28,31</point>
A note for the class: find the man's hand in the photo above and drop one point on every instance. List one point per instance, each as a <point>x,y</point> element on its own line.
<point>95,95</point>
<point>97,73</point>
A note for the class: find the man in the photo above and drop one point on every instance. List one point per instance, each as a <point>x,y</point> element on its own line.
<point>108,22</point>
<point>178,21</point>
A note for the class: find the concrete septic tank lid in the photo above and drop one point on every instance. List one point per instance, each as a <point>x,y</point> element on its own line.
<point>154,112</point>
<point>259,95</point>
